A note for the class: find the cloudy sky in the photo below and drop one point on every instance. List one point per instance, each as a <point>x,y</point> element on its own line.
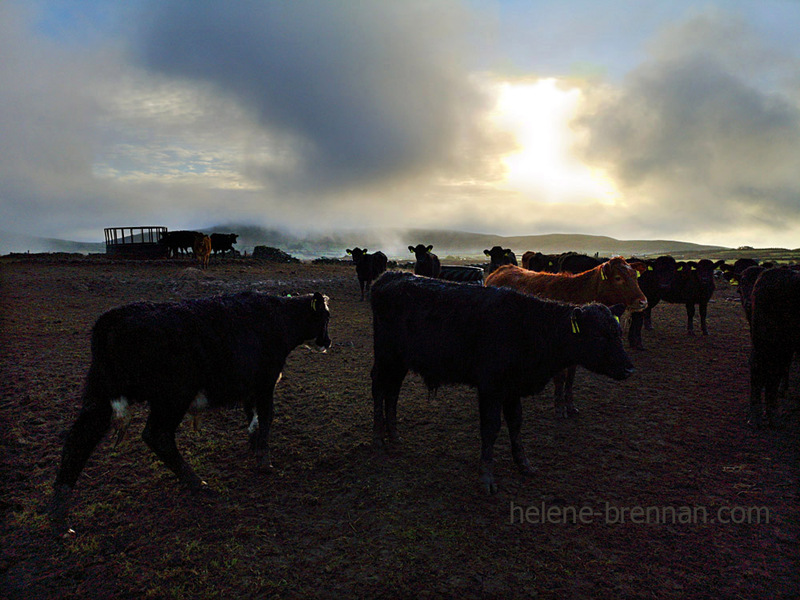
<point>635,119</point>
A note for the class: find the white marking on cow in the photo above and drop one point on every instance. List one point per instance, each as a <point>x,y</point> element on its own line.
<point>198,405</point>
<point>120,408</point>
<point>253,425</point>
<point>122,416</point>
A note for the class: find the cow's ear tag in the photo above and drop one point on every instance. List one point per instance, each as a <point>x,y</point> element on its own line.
<point>617,318</point>
<point>314,304</point>
<point>575,328</point>
<point>602,274</point>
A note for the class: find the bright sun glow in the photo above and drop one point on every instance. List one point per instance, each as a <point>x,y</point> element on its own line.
<point>544,168</point>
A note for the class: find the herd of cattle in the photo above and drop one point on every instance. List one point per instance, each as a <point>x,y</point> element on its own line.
<point>507,337</point>
<point>199,244</point>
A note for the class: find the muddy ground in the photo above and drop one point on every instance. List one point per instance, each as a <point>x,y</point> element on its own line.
<point>657,490</point>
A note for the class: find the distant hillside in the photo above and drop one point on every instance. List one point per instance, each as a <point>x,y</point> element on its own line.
<point>395,242</point>
<point>15,242</point>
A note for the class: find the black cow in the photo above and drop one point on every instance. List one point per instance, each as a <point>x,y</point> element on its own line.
<point>504,343</point>
<point>180,242</point>
<point>183,357</point>
<point>572,262</point>
<point>368,266</point>
<point>223,242</point>
<point>499,256</point>
<point>775,336</point>
<point>732,272</point>
<point>543,263</point>
<point>427,262</point>
<point>746,282</point>
<point>686,283</point>
<point>462,274</point>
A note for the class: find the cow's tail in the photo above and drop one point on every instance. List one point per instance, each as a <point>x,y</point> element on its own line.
<point>91,425</point>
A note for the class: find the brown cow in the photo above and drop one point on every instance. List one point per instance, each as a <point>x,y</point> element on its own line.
<point>613,282</point>
<point>202,250</point>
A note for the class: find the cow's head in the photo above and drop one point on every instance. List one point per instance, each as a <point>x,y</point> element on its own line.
<point>705,271</point>
<point>596,336</point>
<point>420,250</point>
<point>318,324</point>
<point>499,256</point>
<point>357,253</point>
<point>618,284</point>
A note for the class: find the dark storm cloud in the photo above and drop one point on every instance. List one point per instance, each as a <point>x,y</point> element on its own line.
<point>355,91</point>
<point>704,132</point>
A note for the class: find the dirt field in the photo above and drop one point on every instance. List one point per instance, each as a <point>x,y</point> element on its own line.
<point>657,490</point>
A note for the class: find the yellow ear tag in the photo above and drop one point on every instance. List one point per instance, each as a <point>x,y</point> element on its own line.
<point>575,328</point>
<point>314,304</point>
<point>617,318</point>
<point>602,274</point>
<point>638,274</point>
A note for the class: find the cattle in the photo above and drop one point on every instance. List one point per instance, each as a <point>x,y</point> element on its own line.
<point>775,336</point>
<point>613,282</point>
<point>368,266</point>
<point>180,241</point>
<point>746,282</point>
<point>223,242</point>
<point>690,283</point>
<point>202,250</point>
<point>503,343</point>
<point>572,262</point>
<point>543,263</point>
<point>427,262</point>
<point>731,273</point>
<point>180,357</point>
<point>499,256</point>
<point>462,274</point>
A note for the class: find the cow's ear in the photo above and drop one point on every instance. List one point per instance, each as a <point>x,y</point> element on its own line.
<point>365,250</point>
<point>411,249</point>
<point>508,252</point>
<point>574,318</point>
<point>429,248</point>
<point>318,302</point>
<point>349,251</point>
<point>486,252</point>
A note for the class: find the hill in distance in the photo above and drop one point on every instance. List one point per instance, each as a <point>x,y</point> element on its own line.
<point>394,243</point>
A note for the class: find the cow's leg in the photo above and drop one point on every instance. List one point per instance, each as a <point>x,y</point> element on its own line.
<point>756,385</point>
<point>512,409</point>
<point>648,316</point>
<point>774,376</point>
<point>260,427</point>
<point>362,283</point>
<point>386,384</point>
<point>490,410</point>
<point>569,400</point>
<point>703,313</point>
<point>563,381</point>
<point>89,428</point>
<point>635,331</point>
<point>159,435</point>
<point>690,318</point>
<point>558,400</point>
